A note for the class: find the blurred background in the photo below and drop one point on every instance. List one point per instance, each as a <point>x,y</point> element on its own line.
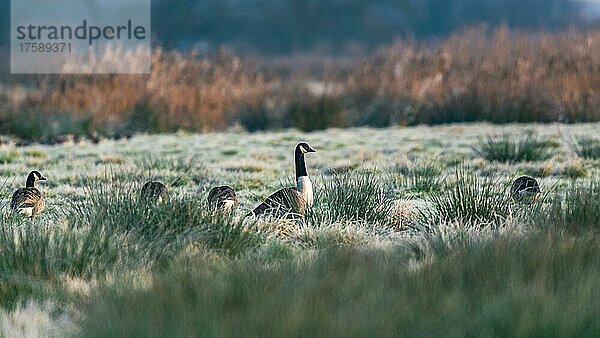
<point>315,64</point>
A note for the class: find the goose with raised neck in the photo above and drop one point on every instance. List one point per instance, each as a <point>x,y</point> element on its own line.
<point>296,199</point>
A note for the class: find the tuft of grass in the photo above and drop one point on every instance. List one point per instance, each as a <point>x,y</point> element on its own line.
<point>180,164</point>
<point>249,168</point>
<point>184,169</point>
<point>111,160</point>
<point>419,179</point>
<point>513,149</point>
<point>36,153</point>
<point>9,156</point>
<point>573,209</point>
<point>330,237</point>
<point>355,197</point>
<point>586,147</point>
<point>471,199</point>
<point>574,171</point>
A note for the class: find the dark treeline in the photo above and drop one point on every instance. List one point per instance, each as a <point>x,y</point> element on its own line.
<point>303,25</point>
<point>281,26</point>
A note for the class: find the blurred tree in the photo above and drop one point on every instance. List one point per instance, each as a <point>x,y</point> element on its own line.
<point>287,25</point>
<point>280,26</point>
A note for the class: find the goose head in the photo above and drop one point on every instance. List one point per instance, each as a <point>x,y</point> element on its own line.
<point>304,148</point>
<point>33,177</point>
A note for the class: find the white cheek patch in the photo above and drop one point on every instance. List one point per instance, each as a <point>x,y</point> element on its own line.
<point>26,211</point>
<point>228,204</point>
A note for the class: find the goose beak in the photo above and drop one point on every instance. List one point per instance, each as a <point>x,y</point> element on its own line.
<point>311,150</point>
<point>42,178</point>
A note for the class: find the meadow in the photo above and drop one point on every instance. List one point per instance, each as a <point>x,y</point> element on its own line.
<point>412,233</point>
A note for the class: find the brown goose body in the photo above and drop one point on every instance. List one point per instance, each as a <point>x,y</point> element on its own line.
<point>153,192</point>
<point>222,198</point>
<point>525,189</point>
<point>282,201</point>
<point>293,199</point>
<point>29,201</point>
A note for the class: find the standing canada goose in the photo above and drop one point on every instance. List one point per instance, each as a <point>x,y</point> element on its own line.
<point>296,199</point>
<point>222,198</point>
<point>525,189</point>
<point>29,201</point>
<point>153,192</point>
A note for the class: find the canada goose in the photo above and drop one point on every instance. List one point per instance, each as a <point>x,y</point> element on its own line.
<point>525,189</point>
<point>222,198</point>
<point>153,192</point>
<point>29,201</point>
<point>296,199</point>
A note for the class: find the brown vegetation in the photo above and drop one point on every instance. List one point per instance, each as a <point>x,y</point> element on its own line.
<point>508,77</point>
<point>502,76</point>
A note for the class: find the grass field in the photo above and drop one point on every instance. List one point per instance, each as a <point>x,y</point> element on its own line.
<point>412,234</point>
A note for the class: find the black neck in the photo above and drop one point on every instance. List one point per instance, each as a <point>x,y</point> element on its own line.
<point>300,165</point>
<point>30,181</point>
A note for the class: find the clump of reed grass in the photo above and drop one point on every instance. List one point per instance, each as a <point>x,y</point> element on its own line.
<point>513,149</point>
<point>417,179</point>
<point>574,171</point>
<point>573,209</point>
<point>355,197</point>
<point>180,164</point>
<point>184,169</point>
<point>586,147</point>
<point>470,199</point>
